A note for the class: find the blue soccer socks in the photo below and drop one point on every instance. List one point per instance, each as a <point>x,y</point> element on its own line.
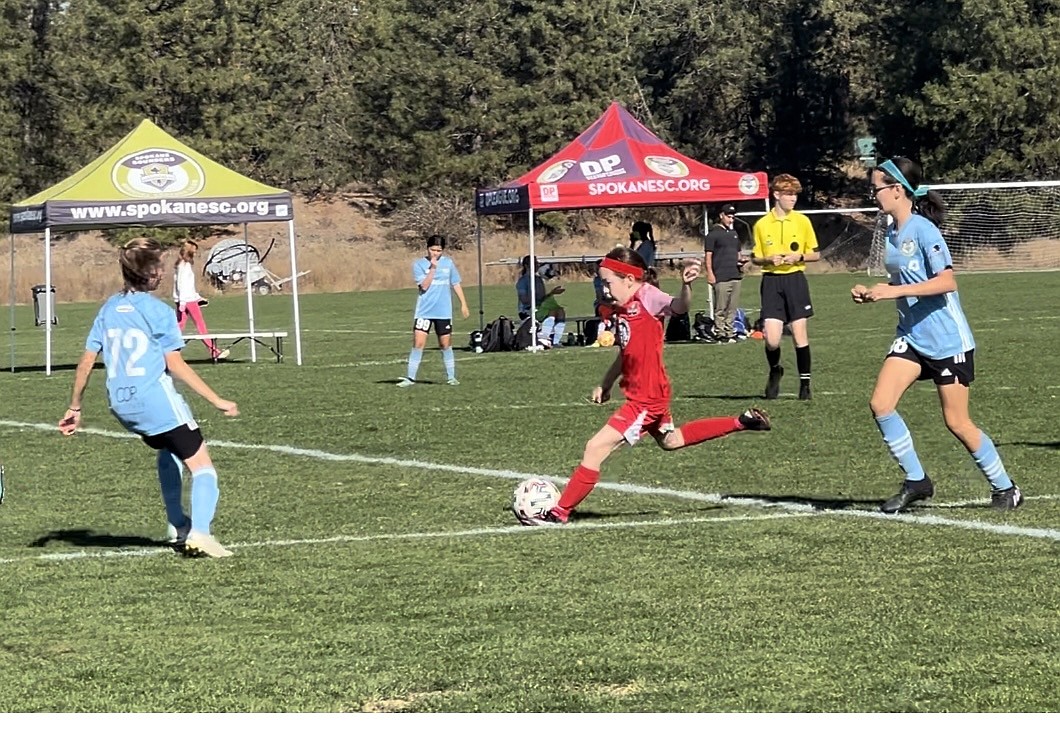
<point>204,495</point>
<point>989,461</point>
<point>900,443</point>
<point>169,478</point>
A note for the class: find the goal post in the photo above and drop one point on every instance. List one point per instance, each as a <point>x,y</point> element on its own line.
<point>994,226</point>
<point>989,227</point>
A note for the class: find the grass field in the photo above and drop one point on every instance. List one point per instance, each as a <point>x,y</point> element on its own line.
<point>378,567</point>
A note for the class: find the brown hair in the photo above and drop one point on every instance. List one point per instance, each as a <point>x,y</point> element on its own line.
<point>627,255</point>
<point>187,251</point>
<point>140,260</point>
<point>929,205</point>
<point>786,184</point>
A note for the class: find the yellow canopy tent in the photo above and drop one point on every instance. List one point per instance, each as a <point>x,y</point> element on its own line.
<point>150,178</point>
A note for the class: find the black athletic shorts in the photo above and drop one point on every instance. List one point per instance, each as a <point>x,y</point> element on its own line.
<point>183,441</point>
<point>441,326</point>
<point>958,368</point>
<point>785,296</point>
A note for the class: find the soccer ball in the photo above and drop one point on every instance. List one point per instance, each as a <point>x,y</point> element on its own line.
<point>532,498</point>
<point>605,339</point>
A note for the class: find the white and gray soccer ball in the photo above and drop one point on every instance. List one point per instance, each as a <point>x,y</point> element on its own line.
<point>532,498</point>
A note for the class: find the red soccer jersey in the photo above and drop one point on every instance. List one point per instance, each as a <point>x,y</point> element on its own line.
<point>640,337</point>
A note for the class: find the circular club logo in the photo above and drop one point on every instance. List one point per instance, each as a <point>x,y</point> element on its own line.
<point>555,172</point>
<point>158,172</point>
<point>666,166</point>
<point>748,184</point>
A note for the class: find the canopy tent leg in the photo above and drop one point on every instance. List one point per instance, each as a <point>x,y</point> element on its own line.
<point>11,300</point>
<point>294,295</point>
<point>710,287</point>
<point>250,299</point>
<point>481,302</point>
<point>47,301</point>
<point>533,290</point>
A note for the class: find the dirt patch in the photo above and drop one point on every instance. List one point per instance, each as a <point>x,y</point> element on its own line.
<point>399,705</point>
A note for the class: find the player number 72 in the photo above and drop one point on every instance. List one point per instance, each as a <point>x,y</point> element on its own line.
<point>132,339</point>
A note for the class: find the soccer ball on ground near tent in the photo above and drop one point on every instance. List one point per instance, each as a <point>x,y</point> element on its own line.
<point>532,498</point>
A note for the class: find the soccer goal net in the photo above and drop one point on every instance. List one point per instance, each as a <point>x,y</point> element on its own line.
<point>992,227</point>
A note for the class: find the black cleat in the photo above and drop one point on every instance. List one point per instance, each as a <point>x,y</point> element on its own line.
<point>911,492</point>
<point>1007,500</point>
<point>804,392</point>
<point>773,384</point>
<point>755,419</point>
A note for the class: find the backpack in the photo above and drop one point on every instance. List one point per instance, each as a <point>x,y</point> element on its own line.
<point>678,328</point>
<point>740,324</point>
<point>703,327</point>
<point>523,337</point>
<point>498,336</point>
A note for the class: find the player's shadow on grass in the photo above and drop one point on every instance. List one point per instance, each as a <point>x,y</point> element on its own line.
<point>635,515</point>
<point>419,382</point>
<point>209,361</point>
<point>89,538</point>
<point>62,367</point>
<point>1048,445</point>
<point>817,504</point>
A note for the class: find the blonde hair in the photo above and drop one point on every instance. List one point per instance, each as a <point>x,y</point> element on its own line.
<point>140,260</point>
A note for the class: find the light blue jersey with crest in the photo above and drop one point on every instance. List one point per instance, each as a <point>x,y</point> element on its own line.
<point>935,326</point>
<point>134,332</point>
<point>436,302</point>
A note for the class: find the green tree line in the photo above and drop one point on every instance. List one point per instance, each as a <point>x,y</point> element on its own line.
<point>403,97</point>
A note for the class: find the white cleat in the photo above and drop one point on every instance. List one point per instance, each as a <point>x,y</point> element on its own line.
<point>204,545</point>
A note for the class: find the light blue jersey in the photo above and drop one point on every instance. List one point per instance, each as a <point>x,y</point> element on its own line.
<point>436,302</point>
<point>134,332</point>
<point>934,325</point>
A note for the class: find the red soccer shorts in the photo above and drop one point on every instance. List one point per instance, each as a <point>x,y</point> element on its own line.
<point>633,420</point>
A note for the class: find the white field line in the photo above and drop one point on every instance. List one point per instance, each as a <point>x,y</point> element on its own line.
<point>347,539</point>
<point>923,519</point>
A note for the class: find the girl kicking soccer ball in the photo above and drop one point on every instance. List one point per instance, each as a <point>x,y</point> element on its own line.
<point>638,309</point>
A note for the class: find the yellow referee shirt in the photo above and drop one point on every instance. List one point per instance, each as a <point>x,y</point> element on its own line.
<point>792,235</point>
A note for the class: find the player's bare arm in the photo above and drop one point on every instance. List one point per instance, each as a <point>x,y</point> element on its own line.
<point>602,392</point>
<point>464,311</point>
<point>683,301</point>
<point>943,283</point>
<point>186,374</point>
<point>72,418</point>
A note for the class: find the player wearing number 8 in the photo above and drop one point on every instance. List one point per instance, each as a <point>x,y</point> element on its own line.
<point>141,343</point>
<point>933,338</point>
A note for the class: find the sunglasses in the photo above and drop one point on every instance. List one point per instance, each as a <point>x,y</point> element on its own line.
<point>877,190</point>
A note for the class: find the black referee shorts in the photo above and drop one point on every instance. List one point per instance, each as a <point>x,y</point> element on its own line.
<point>786,296</point>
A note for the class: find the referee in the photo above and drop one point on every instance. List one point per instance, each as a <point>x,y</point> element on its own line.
<point>784,243</point>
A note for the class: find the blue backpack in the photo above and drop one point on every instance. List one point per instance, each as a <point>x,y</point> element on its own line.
<point>740,324</point>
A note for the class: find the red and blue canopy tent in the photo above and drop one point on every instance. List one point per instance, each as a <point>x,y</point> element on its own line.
<point>615,162</point>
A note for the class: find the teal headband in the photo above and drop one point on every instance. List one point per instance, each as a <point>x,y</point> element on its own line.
<point>888,167</point>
